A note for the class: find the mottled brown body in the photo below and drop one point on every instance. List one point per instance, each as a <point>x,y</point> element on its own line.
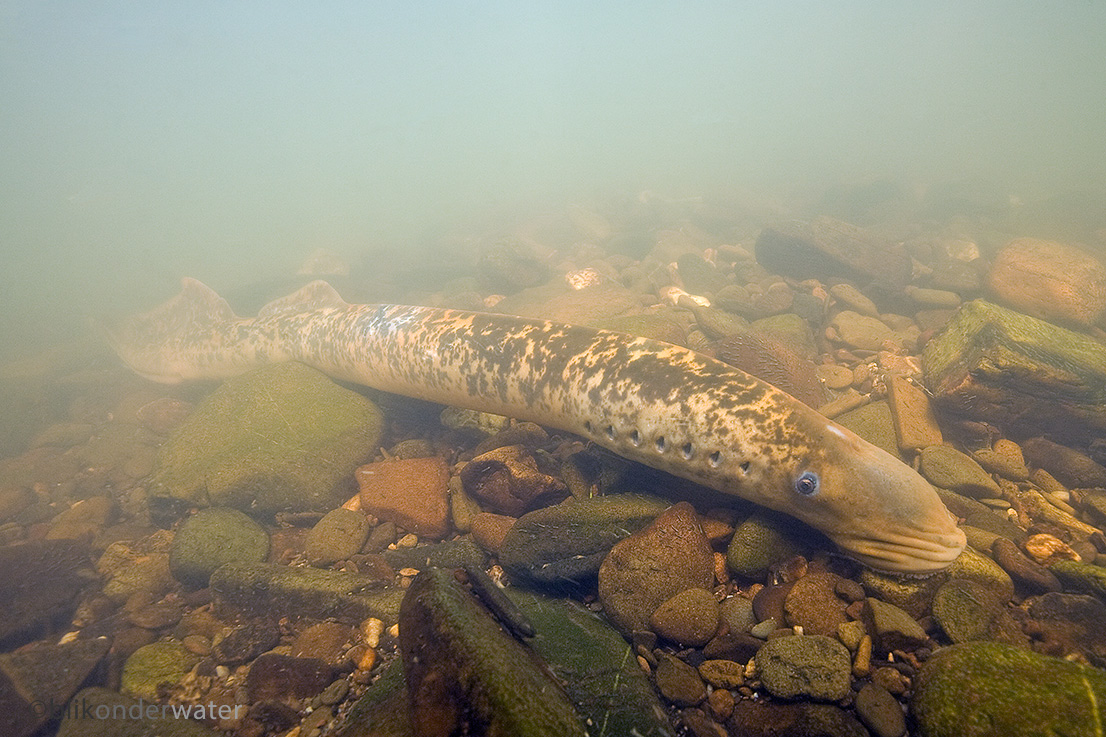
<point>652,402</point>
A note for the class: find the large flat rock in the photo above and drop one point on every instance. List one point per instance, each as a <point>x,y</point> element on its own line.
<point>1026,375</point>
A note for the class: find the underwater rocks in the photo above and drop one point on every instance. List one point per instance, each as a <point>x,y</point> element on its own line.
<point>40,582</point>
<point>412,492</point>
<point>566,543</point>
<point>652,565</point>
<point>1051,281</point>
<point>1020,373</point>
<point>985,689</point>
<point>463,675</point>
<point>826,248</point>
<point>212,537</point>
<point>36,682</point>
<point>239,449</point>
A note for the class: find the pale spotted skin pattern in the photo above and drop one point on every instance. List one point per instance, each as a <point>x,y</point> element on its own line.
<point>659,404</point>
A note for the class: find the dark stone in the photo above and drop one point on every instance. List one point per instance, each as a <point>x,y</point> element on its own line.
<point>275,676</point>
<point>508,481</point>
<point>247,641</point>
<point>736,646</point>
<point>1028,574</point>
<point>826,248</point>
<point>37,682</point>
<point>566,543</point>
<point>1070,467</point>
<point>273,716</point>
<point>1063,623</point>
<point>770,360</point>
<point>39,584</point>
<point>762,719</point>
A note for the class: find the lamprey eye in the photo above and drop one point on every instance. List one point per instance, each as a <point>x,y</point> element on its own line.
<point>807,483</point>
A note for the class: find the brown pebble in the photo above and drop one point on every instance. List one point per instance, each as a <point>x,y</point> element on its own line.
<point>891,680</point>
<point>689,618</point>
<point>327,641</point>
<point>722,673</point>
<point>197,644</point>
<point>812,604</point>
<point>488,529</point>
<point>720,703</point>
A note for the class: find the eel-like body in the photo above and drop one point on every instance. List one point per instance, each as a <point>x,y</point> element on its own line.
<point>652,402</point>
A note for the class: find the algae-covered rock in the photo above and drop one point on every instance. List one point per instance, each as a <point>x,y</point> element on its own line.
<point>150,665</point>
<point>1083,577</point>
<point>762,542</point>
<point>265,589</point>
<point>281,438</point>
<point>382,711</point>
<point>1018,372</point>
<point>338,535</point>
<point>874,423</point>
<point>985,689</point>
<point>212,537</point>
<point>465,675</point>
<point>814,666</point>
<point>567,542</point>
<point>948,468</point>
<point>594,664</point>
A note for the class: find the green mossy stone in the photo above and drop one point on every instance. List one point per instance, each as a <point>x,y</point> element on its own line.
<point>874,423</point>
<point>252,590</point>
<point>281,438</point>
<point>595,664</point>
<point>1089,579</point>
<point>211,538</point>
<point>150,665</point>
<point>382,711</point>
<point>763,541</point>
<point>1018,372</point>
<point>985,689</point>
<point>463,670</point>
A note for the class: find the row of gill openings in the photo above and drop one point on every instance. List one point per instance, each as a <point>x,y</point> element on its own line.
<point>660,444</point>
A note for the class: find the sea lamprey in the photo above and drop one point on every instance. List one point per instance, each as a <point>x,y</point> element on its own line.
<point>652,402</point>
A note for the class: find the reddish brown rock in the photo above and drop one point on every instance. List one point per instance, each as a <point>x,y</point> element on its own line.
<point>413,493</point>
<point>915,423</point>
<point>813,604</point>
<point>1049,280</point>
<point>327,641</point>
<point>488,530</point>
<point>652,565</point>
